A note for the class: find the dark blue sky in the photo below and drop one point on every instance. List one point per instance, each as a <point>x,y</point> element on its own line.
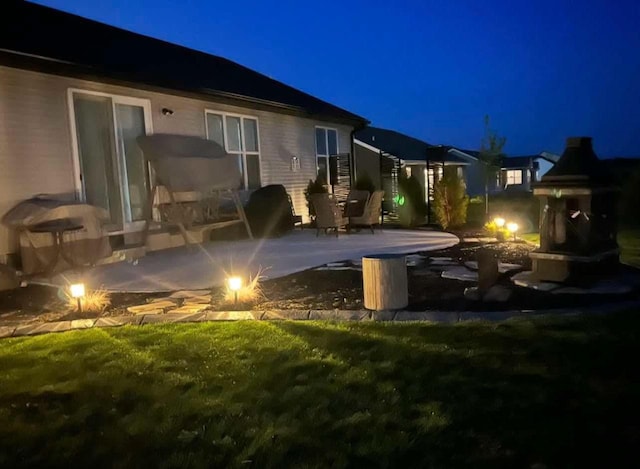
<point>542,69</point>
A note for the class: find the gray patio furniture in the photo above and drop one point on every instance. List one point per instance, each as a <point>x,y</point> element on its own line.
<point>55,233</point>
<point>355,203</point>
<point>328,213</point>
<point>196,176</point>
<point>371,214</point>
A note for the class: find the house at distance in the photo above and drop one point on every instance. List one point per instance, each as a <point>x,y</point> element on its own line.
<point>518,173</point>
<point>381,153</point>
<point>75,94</point>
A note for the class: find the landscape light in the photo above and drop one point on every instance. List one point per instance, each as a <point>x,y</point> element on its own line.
<point>499,221</point>
<point>512,227</point>
<point>78,291</point>
<point>235,284</point>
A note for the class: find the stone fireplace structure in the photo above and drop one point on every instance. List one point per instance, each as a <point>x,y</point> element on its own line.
<point>578,218</point>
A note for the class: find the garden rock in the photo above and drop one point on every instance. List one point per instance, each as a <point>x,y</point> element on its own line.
<point>472,293</point>
<point>460,273</point>
<point>152,308</point>
<point>498,294</point>
<point>184,294</point>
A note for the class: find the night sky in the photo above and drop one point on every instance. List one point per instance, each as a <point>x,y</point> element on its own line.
<point>543,70</point>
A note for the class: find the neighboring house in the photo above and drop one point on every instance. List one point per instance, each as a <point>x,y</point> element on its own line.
<point>75,93</point>
<point>518,173</point>
<point>381,152</point>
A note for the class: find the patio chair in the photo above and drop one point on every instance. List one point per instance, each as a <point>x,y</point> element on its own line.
<point>356,201</point>
<point>371,213</point>
<point>328,213</point>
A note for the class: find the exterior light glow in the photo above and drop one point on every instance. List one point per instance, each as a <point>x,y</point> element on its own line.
<point>77,290</point>
<point>512,227</point>
<point>499,222</point>
<point>235,283</point>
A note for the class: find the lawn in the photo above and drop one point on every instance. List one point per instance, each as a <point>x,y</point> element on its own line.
<point>628,239</point>
<point>545,393</point>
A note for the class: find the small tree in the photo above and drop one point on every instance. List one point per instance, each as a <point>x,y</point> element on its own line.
<point>450,200</point>
<point>314,187</point>
<point>364,182</point>
<point>491,155</point>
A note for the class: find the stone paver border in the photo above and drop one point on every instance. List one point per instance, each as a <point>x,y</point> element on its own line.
<point>444,317</point>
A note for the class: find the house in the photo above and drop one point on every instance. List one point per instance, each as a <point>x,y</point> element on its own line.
<point>381,153</point>
<point>75,94</point>
<point>518,173</point>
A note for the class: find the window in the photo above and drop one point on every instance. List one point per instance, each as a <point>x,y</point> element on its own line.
<point>239,136</point>
<point>514,177</point>
<point>326,145</point>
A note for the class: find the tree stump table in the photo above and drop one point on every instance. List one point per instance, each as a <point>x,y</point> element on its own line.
<point>384,279</point>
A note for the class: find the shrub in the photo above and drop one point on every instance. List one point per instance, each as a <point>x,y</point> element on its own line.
<point>501,233</point>
<point>476,212</point>
<point>523,208</point>
<point>413,210</point>
<point>269,211</point>
<point>314,187</point>
<point>450,200</point>
<point>94,301</point>
<point>364,182</point>
<point>247,294</point>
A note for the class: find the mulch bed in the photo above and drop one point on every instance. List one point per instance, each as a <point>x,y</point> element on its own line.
<point>324,289</point>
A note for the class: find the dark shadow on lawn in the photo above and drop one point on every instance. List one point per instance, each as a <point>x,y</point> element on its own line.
<point>511,396</point>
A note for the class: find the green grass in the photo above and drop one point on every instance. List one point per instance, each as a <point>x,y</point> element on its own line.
<point>530,237</point>
<point>557,392</point>
<point>628,239</point>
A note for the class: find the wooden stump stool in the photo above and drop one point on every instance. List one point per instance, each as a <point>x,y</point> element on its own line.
<point>384,279</point>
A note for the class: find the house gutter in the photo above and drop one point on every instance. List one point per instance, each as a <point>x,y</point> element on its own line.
<point>51,66</point>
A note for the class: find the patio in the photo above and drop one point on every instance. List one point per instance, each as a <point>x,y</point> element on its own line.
<point>205,266</point>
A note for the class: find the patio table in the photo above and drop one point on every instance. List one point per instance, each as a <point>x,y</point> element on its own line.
<point>57,229</point>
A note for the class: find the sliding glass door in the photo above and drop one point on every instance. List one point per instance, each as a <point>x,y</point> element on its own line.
<point>113,174</point>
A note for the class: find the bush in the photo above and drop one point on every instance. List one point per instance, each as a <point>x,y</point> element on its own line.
<point>412,208</point>
<point>364,182</point>
<point>314,187</point>
<point>500,233</point>
<point>269,211</point>
<point>450,201</point>
<point>476,212</point>
<point>522,208</point>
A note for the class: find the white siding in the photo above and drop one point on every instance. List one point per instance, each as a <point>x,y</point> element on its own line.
<point>35,137</point>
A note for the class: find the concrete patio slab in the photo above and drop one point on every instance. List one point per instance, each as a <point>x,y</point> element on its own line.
<point>207,265</point>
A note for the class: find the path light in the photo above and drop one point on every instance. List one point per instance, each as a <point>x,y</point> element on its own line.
<point>235,284</point>
<point>513,228</point>
<point>499,221</point>
<point>77,291</point>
